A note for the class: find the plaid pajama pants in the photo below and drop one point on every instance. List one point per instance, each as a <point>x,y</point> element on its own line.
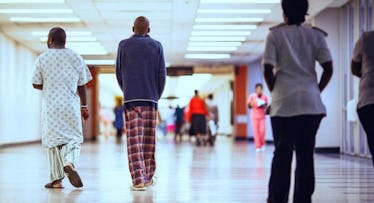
<point>140,132</point>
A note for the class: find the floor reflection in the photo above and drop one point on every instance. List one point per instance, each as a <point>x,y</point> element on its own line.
<point>228,172</point>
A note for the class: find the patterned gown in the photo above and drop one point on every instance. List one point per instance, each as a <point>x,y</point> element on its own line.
<point>60,71</point>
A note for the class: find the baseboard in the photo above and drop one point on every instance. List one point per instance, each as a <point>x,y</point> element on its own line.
<point>327,150</point>
<point>19,144</point>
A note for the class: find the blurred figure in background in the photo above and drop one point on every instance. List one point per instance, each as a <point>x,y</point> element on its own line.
<point>161,124</point>
<point>213,119</point>
<point>179,121</point>
<point>198,113</point>
<point>118,117</point>
<point>258,103</point>
<point>363,67</point>
<point>170,120</point>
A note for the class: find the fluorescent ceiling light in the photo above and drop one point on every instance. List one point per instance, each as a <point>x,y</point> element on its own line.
<point>220,33</point>
<point>235,11</point>
<point>73,39</point>
<point>30,1</point>
<point>214,44</point>
<point>100,62</point>
<point>37,11</point>
<point>218,39</point>
<point>68,33</point>
<point>240,2</point>
<point>227,49</point>
<point>44,20</point>
<point>227,20</point>
<point>207,56</point>
<point>224,27</point>
<point>134,6</point>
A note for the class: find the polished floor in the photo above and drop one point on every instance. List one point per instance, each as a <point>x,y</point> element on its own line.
<point>229,172</point>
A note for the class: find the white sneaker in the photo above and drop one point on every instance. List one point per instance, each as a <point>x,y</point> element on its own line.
<point>263,148</point>
<point>258,150</point>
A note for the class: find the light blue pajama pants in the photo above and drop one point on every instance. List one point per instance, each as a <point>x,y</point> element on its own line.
<point>61,156</point>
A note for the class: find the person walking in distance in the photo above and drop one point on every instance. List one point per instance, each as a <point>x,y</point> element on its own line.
<point>291,52</point>
<point>141,73</point>
<point>198,112</point>
<point>258,102</point>
<point>61,75</point>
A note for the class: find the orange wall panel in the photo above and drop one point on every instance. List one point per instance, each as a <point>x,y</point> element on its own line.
<point>240,102</point>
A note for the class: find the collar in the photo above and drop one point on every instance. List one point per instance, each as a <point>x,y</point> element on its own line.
<point>138,35</point>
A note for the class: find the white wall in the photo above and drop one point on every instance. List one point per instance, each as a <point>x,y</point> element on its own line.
<point>255,76</point>
<point>329,133</point>
<point>19,103</point>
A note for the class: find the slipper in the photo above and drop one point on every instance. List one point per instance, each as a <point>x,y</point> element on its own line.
<point>151,183</point>
<point>73,176</point>
<point>138,188</point>
<point>51,185</point>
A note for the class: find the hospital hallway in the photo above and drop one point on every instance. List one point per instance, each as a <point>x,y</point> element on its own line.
<point>228,172</point>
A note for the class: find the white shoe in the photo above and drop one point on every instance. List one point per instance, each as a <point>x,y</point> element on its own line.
<point>263,148</point>
<point>258,150</point>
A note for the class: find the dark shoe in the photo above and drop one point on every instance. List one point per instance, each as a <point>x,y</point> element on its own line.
<point>198,142</point>
<point>52,185</point>
<point>73,176</point>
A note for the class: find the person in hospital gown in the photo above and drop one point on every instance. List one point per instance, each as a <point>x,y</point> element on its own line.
<point>61,75</point>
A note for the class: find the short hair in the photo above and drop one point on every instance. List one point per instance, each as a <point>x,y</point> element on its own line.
<point>259,85</point>
<point>295,10</point>
<point>196,92</point>
<point>141,25</point>
<point>57,35</point>
<point>210,96</point>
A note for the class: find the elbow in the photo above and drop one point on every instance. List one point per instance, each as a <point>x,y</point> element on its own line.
<point>356,68</point>
<point>329,71</point>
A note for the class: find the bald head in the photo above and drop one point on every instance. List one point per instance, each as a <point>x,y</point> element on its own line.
<point>56,37</point>
<point>141,25</point>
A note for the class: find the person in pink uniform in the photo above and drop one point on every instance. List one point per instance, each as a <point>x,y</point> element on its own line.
<point>258,103</point>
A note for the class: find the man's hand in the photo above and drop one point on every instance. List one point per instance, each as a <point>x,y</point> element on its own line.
<point>84,113</point>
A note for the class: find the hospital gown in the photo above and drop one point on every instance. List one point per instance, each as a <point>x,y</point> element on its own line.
<point>60,71</point>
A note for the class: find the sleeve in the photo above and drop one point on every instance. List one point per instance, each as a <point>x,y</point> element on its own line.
<point>270,54</point>
<point>323,53</point>
<point>119,67</point>
<point>250,99</point>
<point>357,53</point>
<point>37,77</point>
<point>85,74</point>
<point>161,72</point>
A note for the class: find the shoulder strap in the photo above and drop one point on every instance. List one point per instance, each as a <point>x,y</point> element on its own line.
<point>319,29</point>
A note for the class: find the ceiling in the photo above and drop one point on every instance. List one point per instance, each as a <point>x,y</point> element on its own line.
<point>184,27</point>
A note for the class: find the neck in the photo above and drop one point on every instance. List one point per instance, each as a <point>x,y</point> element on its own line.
<point>58,46</point>
<point>138,33</point>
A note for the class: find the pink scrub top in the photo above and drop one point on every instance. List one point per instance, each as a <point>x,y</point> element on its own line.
<point>257,112</point>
